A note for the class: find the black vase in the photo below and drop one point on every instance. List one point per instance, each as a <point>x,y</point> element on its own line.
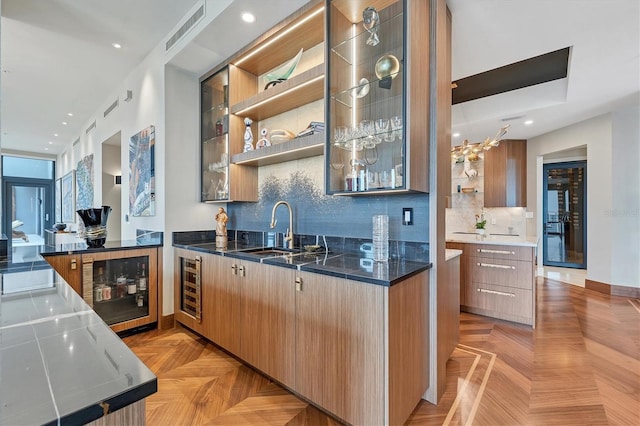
<point>95,225</point>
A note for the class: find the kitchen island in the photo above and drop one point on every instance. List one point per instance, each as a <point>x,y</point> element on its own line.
<point>497,275</point>
<point>61,364</point>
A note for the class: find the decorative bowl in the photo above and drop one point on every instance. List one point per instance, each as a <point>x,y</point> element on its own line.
<point>60,226</point>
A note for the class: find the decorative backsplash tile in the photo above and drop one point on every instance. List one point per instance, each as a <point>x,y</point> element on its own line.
<point>315,213</point>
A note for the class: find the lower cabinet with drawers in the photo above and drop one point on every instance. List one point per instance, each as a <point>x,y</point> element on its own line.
<point>498,281</point>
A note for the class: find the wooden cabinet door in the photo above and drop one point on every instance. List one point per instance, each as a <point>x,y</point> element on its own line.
<point>221,301</point>
<point>268,320</point>
<point>340,346</point>
<point>69,266</point>
<point>505,175</point>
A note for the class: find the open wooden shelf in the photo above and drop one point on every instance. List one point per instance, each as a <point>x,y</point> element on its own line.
<point>299,90</point>
<point>301,31</point>
<point>295,149</point>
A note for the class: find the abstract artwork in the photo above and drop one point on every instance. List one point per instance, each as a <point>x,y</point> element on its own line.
<point>142,195</point>
<point>58,201</point>
<point>84,183</point>
<point>68,196</point>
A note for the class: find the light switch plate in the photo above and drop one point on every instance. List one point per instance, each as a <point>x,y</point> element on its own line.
<point>407,216</point>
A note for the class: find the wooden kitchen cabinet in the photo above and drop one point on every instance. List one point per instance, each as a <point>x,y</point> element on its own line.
<point>268,320</point>
<point>69,266</point>
<point>340,346</point>
<point>378,100</point>
<point>505,174</point>
<point>498,281</point>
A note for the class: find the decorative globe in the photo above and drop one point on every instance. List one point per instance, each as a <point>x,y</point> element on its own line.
<point>387,66</point>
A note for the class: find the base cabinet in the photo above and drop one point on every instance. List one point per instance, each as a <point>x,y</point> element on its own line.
<point>358,350</point>
<point>121,286</point>
<point>498,281</point>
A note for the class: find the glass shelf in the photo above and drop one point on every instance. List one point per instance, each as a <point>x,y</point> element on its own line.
<point>344,49</point>
<point>346,97</point>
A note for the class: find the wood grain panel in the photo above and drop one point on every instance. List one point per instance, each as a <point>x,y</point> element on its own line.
<point>500,251</point>
<point>132,414</point>
<point>62,264</point>
<point>243,183</point>
<point>282,42</point>
<point>408,346</point>
<point>302,89</point>
<point>448,320</point>
<point>268,320</point>
<point>505,171</point>
<point>513,304</point>
<point>508,273</point>
<point>418,96</point>
<point>339,342</point>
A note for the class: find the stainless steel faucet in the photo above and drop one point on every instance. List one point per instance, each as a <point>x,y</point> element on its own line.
<point>288,239</point>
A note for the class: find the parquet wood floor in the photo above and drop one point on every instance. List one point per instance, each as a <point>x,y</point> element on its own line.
<point>580,366</point>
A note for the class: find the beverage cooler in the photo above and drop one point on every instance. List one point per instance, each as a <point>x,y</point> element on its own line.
<point>122,288</point>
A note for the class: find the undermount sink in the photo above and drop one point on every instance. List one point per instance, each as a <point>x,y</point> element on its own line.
<point>269,252</point>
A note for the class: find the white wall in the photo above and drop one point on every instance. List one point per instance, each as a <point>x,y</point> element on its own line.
<point>183,209</point>
<point>603,136</point>
<point>112,193</point>
<point>625,212</point>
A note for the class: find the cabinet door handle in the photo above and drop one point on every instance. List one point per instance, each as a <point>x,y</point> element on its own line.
<point>234,268</point>
<point>242,271</point>
<point>298,284</point>
<point>495,251</point>
<point>498,293</point>
<point>493,265</point>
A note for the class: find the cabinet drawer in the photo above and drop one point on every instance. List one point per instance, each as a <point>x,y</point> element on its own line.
<point>501,252</point>
<point>498,300</point>
<point>508,273</point>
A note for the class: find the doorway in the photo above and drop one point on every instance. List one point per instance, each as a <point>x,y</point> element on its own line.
<point>564,211</point>
<point>112,184</point>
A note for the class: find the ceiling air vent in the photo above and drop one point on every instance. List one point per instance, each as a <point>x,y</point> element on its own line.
<point>76,142</point>
<point>91,127</point>
<point>198,15</point>
<point>113,106</point>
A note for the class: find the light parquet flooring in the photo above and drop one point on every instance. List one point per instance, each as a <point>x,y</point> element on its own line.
<point>580,366</point>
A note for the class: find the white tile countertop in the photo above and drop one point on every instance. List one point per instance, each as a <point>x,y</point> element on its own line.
<point>507,240</point>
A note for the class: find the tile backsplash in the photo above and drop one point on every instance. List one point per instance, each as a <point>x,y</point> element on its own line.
<point>300,183</point>
<point>466,205</point>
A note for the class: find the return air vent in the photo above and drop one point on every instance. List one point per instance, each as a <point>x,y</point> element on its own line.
<point>516,117</point>
<point>198,15</point>
<point>91,127</point>
<point>113,106</point>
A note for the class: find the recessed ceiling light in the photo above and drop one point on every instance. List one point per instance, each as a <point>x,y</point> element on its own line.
<point>528,122</point>
<point>456,135</point>
<point>64,123</point>
<point>70,114</point>
<point>50,143</point>
<point>55,134</point>
<point>46,149</point>
<point>248,17</point>
<point>116,45</point>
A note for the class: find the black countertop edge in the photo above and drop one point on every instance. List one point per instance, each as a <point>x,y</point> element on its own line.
<point>239,251</point>
<point>96,411</point>
<point>76,248</point>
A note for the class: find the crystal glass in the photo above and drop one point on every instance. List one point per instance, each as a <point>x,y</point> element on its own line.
<point>380,238</point>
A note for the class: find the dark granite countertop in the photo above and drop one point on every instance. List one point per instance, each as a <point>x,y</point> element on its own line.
<point>343,265</point>
<point>50,250</point>
<point>59,362</point>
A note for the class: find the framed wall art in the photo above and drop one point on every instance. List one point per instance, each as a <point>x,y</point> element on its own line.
<point>68,197</point>
<point>142,194</point>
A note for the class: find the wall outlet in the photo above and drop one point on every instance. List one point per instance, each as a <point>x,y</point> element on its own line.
<point>528,215</point>
<point>493,221</point>
<point>407,216</point>
<point>244,236</point>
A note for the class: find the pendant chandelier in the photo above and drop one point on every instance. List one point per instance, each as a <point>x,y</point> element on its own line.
<point>471,150</point>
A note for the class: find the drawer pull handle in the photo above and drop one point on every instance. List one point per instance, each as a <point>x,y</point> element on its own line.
<point>495,251</point>
<point>492,265</point>
<point>498,293</point>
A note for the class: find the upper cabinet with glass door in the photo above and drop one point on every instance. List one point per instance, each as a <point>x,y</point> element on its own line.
<point>214,93</point>
<point>378,95</point>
